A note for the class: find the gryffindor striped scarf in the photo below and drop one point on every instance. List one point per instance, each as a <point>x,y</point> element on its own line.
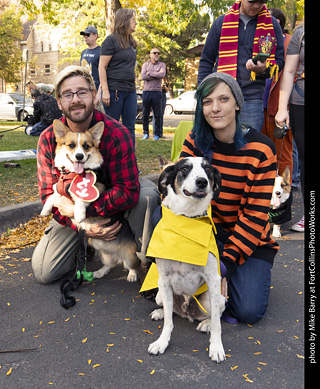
<point>264,41</point>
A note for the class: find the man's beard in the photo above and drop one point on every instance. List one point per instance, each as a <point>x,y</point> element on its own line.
<point>78,117</point>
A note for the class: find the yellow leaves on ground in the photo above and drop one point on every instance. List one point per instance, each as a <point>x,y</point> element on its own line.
<point>24,235</point>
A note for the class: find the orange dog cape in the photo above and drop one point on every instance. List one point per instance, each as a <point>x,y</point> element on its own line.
<point>179,238</point>
<point>264,41</point>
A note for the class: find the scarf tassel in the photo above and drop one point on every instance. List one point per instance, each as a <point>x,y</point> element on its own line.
<point>274,72</point>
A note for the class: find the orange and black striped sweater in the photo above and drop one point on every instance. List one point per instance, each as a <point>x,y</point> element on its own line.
<point>241,211</point>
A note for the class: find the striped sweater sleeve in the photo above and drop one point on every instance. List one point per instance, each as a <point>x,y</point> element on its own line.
<point>241,211</point>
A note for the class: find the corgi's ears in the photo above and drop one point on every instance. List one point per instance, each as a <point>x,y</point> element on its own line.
<point>60,130</point>
<point>96,131</point>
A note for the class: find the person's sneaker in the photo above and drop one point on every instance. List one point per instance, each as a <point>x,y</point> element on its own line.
<point>156,137</point>
<point>145,136</point>
<point>299,226</point>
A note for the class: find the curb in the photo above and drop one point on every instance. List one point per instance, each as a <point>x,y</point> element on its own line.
<point>13,216</point>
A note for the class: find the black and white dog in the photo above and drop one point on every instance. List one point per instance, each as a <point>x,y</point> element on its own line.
<point>188,187</point>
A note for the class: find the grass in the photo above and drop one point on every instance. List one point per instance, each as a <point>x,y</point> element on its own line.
<point>18,185</point>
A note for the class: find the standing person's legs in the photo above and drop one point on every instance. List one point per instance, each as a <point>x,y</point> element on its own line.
<point>129,113</point>
<point>156,108</point>
<point>55,254</point>
<point>116,105</point>
<point>146,98</point>
<point>252,114</point>
<point>297,127</point>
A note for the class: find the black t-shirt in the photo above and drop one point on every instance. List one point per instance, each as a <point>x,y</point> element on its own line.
<point>90,58</point>
<point>120,71</point>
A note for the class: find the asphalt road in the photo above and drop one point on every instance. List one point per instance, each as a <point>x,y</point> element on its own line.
<point>102,342</point>
<point>173,120</point>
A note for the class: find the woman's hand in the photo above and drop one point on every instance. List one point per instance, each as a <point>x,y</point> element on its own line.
<point>224,287</point>
<point>106,97</point>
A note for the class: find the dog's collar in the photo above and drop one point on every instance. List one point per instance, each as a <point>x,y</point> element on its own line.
<point>282,214</point>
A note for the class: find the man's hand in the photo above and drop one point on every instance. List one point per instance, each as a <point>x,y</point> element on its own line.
<point>98,230</point>
<point>257,68</point>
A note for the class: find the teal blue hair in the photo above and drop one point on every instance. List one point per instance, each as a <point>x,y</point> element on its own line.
<point>202,132</point>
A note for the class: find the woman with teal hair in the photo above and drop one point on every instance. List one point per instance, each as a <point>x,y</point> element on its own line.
<point>246,160</point>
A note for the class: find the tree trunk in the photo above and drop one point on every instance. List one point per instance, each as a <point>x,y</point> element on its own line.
<point>111,7</point>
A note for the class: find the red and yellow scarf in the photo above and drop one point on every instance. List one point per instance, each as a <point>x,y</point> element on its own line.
<point>264,41</point>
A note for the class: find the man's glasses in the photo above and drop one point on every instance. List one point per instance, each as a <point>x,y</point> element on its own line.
<point>82,94</point>
<point>91,33</point>
<point>156,53</point>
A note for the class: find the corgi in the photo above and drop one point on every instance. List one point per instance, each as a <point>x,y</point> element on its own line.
<point>188,188</point>
<point>77,157</point>
<point>279,201</point>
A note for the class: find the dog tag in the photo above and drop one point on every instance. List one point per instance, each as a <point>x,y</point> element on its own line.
<point>82,187</point>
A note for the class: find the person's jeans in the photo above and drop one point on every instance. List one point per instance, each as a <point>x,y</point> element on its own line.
<point>37,129</point>
<point>152,99</point>
<point>252,114</point>
<point>249,289</point>
<point>123,104</point>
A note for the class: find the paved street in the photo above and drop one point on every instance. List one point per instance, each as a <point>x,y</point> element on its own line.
<point>102,342</point>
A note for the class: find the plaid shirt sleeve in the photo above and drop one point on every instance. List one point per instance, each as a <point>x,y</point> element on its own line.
<point>119,170</point>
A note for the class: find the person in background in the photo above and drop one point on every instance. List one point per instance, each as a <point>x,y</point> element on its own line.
<point>152,73</point>
<point>45,110</point>
<point>233,41</point>
<point>292,93</point>
<point>90,56</point>
<point>116,70</point>
<point>284,146</point>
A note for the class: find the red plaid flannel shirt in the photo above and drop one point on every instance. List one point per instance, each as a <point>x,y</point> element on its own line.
<point>119,169</point>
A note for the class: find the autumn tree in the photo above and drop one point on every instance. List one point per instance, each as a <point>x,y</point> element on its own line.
<point>10,53</point>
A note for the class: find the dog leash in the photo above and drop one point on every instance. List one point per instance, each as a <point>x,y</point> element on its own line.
<point>81,274</point>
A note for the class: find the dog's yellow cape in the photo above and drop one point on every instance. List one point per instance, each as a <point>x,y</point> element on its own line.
<point>182,239</point>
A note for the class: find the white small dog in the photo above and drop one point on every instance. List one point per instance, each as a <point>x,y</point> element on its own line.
<point>279,201</point>
<point>188,187</point>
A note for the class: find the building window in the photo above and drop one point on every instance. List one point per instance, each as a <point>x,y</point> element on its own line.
<point>47,69</point>
<point>41,45</point>
<point>32,70</point>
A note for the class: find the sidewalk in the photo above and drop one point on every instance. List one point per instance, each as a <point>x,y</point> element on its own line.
<point>102,342</point>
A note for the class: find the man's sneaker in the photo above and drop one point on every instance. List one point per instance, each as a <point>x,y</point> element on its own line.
<point>145,136</point>
<point>156,137</point>
<point>299,226</point>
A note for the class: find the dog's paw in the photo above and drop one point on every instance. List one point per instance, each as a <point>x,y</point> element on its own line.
<point>276,233</point>
<point>204,326</point>
<point>157,314</point>
<point>216,352</point>
<point>99,273</point>
<point>79,217</point>
<point>132,276</point>
<point>44,212</point>
<point>158,347</point>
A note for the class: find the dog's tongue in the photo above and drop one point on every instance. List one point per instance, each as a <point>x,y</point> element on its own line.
<point>275,201</point>
<point>78,167</point>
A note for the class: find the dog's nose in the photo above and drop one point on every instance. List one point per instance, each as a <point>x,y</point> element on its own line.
<point>201,182</point>
<point>79,157</point>
<point>278,193</point>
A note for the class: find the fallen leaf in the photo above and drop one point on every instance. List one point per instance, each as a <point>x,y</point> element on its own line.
<point>140,360</point>
<point>98,364</point>
<point>148,332</point>
<point>9,371</point>
<point>152,372</point>
<point>84,340</point>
